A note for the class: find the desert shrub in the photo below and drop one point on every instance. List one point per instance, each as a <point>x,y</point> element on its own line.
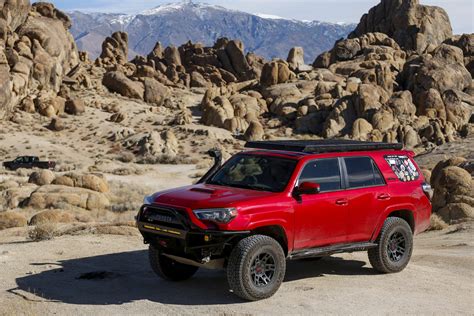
<point>126,196</point>
<point>126,157</point>
<point>42,231</point>
<point>436,223</point>
<point>165,159</point>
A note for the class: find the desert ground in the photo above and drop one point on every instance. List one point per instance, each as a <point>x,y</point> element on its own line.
<point>109,274</point>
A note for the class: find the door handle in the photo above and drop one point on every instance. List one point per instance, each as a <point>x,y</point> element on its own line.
<point>383,196</point>
<point>342,202</point>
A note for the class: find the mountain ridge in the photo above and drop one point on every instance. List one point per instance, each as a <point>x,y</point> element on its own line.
<point>177,23</point>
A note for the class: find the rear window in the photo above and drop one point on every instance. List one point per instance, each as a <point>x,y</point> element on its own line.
<point>324,172</point>
<point>362,172</point>
<point>403,167</point>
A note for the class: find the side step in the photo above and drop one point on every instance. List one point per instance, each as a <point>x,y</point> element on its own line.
<point>329,250</point>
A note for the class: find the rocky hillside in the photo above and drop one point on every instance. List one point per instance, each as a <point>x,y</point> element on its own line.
<point>177,23</point>
<point>116,115</point>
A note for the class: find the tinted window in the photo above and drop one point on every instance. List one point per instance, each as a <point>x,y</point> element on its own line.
<point>325,172</point>
<point>362,172</point>
<point>255,173</point>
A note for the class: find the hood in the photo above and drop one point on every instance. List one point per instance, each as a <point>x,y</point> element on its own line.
<point>201,196</point>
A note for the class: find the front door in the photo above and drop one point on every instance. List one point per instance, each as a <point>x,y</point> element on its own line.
<point>322,218</point>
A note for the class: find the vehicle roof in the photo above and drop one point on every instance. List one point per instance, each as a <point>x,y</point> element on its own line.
<point>322,145</point>
<point>307,156</point>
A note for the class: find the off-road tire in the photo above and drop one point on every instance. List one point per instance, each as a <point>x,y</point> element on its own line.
<point>379,257</point>
<point>242,259</point>
<point>168,268</point>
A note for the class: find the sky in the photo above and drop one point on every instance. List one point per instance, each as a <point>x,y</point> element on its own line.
<point>461,12</point>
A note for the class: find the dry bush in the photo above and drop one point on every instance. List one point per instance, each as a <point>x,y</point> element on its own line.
<point>436,223</point>
<point>167,160</point>
<point>43,231</point>
<point>126,197</point>
<point>126,157</point>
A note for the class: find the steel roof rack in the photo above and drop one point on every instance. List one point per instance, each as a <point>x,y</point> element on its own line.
<point>322,146</point>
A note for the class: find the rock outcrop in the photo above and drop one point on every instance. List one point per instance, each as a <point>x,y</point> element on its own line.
<point>413,26</point>
<point>36,51</point>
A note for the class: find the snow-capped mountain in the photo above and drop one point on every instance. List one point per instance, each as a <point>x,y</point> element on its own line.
<point>176,23</point>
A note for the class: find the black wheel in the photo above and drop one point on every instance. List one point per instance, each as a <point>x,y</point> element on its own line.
<point>256,267</point>
<point>168,268</point>
<point>394,246</point>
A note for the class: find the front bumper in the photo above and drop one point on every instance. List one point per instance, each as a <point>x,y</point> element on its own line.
<point>170,230</point>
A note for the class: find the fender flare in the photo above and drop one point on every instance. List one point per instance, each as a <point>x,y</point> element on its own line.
<point>385,214</point>
<point>276,222</point>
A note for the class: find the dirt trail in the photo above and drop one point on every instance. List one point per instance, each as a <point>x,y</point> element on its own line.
<point>38,278</point>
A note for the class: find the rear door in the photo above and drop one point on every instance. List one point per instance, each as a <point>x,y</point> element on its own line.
<point>367,196</point>
<point>322,218</point>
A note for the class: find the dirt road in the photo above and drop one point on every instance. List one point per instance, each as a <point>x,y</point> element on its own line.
<point>60,276</point>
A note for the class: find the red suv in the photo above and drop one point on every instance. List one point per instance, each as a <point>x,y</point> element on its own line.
<point>288,200</point>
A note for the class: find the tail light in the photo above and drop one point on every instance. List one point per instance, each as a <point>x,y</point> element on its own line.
<point>427,190</point>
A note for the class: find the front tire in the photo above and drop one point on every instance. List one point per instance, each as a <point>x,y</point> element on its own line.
<point>256,267</point>
<point>394,246</point>
<point>168,268</point>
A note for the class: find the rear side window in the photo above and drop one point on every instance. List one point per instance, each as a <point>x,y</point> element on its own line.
<point>362,172</point>
<point>325,172</point>
<point>403,167</point>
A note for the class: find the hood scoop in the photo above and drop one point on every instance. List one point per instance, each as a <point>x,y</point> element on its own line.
<point>203,190</point>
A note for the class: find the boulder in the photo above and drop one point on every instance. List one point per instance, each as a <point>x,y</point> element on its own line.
<point>453,194</point>
<point>117,82</point>
<point>296,58</point>
<point>51,216</point>
<point>12,219</point>
<point>361,129</point>
<point>41,177</point>
<point>59,197</point>
<point>254,132</point>
<point>75,106</point>
<point>56,124</point>
<point>155,92</point>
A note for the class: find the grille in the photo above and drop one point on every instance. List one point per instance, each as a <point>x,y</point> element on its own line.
<point>164,217</point>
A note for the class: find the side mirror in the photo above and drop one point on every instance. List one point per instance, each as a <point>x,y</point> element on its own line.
<point>308,188</point>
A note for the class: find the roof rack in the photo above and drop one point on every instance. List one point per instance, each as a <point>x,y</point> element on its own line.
<point>322,146</point>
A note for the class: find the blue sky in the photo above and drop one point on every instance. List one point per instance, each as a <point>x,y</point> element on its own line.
<point>461,12</point>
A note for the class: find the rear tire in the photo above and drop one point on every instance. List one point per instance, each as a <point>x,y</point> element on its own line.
<point>394,246</point>
<point>168,268</point>
<point>256,267</point>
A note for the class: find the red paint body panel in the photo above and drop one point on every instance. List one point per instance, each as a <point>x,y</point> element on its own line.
<point>349,215</point>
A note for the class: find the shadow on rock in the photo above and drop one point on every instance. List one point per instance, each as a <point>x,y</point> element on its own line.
<point>126,277</point>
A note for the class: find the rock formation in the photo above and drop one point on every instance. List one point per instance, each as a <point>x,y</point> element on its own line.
<point>413,26</point>
<point>36,51</point>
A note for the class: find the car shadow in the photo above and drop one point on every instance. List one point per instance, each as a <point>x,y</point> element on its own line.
<point>125,277</point>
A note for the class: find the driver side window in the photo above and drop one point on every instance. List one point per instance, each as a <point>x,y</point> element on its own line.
<point>325,172</point>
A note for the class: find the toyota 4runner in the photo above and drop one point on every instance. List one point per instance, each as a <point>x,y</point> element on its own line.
<point>287,200</point>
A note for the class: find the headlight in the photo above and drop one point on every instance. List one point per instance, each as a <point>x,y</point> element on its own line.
<point>219,215</point>
<point>149,199</point>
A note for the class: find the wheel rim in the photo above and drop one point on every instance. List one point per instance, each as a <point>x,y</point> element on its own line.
<point>396,247</point>
<point>262,269</point>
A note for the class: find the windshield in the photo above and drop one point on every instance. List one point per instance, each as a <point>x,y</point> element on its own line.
<point>255,173</point>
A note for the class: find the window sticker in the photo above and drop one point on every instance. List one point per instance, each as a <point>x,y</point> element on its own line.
<point>403,167</point>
